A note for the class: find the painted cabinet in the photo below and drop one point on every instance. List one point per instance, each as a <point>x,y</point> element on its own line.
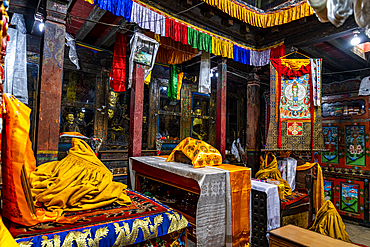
<point>346,161</point>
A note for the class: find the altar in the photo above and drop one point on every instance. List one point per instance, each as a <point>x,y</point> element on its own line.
<point>215,200</point>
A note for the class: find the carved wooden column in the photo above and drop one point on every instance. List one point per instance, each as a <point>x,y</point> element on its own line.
<point>253,122</point>
<point>221,107</point>
<point>51,82</point>
<point>136,112</point>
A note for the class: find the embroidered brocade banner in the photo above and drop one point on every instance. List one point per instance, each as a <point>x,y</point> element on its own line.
<point>122,232</point>
<point>295,122</point>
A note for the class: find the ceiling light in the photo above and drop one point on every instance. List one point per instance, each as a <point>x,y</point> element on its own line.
<point>355,40</point>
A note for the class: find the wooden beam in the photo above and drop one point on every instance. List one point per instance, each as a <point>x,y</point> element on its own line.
<point>50,93</point>
<point>227,22</point>
<point>136,112</point>
<point>327,59</point>
<point>320,33</point>
<point>221,107</point>
<point>109,38</point>
<point>253,122</point>
<point>313,32</point>
<point>95,15</point>
<point>345,47</point>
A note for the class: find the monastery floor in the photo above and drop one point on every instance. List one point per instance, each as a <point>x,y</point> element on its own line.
<point>358,234</point>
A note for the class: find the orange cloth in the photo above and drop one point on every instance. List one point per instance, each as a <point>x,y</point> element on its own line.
<point>172,52</point>
<point>318,185</point>
<point>16,153</point>
<point>199,152</point>
<point>180,77</point>
<point>240,183</point>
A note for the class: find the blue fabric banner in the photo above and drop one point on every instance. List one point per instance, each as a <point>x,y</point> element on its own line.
<point>241,55</point>
<point>114,233</point>
<point>117,7</point>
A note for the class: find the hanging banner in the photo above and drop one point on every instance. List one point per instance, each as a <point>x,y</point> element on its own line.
<point>295,113</point>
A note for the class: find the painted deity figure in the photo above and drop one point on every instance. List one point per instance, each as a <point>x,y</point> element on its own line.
<point>80,121</point>
<point>70,125</point>
<point>198,132</point>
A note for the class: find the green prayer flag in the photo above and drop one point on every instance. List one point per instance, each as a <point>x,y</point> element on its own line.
<point>200,41</point>
<point>172,83</point>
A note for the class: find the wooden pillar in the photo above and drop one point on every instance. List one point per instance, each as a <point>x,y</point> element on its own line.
<point>51,84</point>
<point>136,112</point>
<point>221,107</point>
<point>253,122</point>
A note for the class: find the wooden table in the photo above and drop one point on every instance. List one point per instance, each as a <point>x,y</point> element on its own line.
<point>289,236</point>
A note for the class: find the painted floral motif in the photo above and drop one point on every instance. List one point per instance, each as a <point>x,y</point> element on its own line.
<point>355,143</point>
<point>331,141</point>
<point>295,129</point>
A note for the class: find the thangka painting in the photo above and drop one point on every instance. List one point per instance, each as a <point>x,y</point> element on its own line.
<point>328,185</point>
<point>295,98</point>
<point>331,141</point>
<point>349,197</point>
<point>295,105</point>
<point>355,145</point>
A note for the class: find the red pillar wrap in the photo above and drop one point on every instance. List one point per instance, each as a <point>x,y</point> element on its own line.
<point>136,112</point>
<point>221,108</point>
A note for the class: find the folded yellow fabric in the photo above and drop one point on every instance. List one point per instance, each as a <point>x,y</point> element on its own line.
<point>6,238</point>
<point>328,222</point>
<point>199,152</point>
<point>271,170</point>
<point>318,186</point>
<point>78,182</point>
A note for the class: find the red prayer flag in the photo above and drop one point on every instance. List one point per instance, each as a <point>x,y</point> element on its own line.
<point>118,70</point>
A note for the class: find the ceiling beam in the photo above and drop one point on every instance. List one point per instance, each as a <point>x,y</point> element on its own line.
<point>321,33</point>
<point>95,15</point>
<point>108,39</point>
<point>310,33</point>
<point>345,47</point>
<point>328,60</point>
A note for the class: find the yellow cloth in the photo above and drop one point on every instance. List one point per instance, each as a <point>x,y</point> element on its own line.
<point>272,171</point>
<point>180,77</point>
<point>148,78</point>
<point>270,19</point>
<point>295,64</point>
<point>318,185</point>
<point>240,183</point>
<point>222,48</point>
<point>6,238</point>
<point>285,154</point>
<point>78,182</point>
<point>329,223</point>
<point>199,152</point>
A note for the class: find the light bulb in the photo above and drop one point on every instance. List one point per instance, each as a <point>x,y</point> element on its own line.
<point>355,40</point>
<point>211,74</point>
<point>41,26</point>
<point>216,74</point>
